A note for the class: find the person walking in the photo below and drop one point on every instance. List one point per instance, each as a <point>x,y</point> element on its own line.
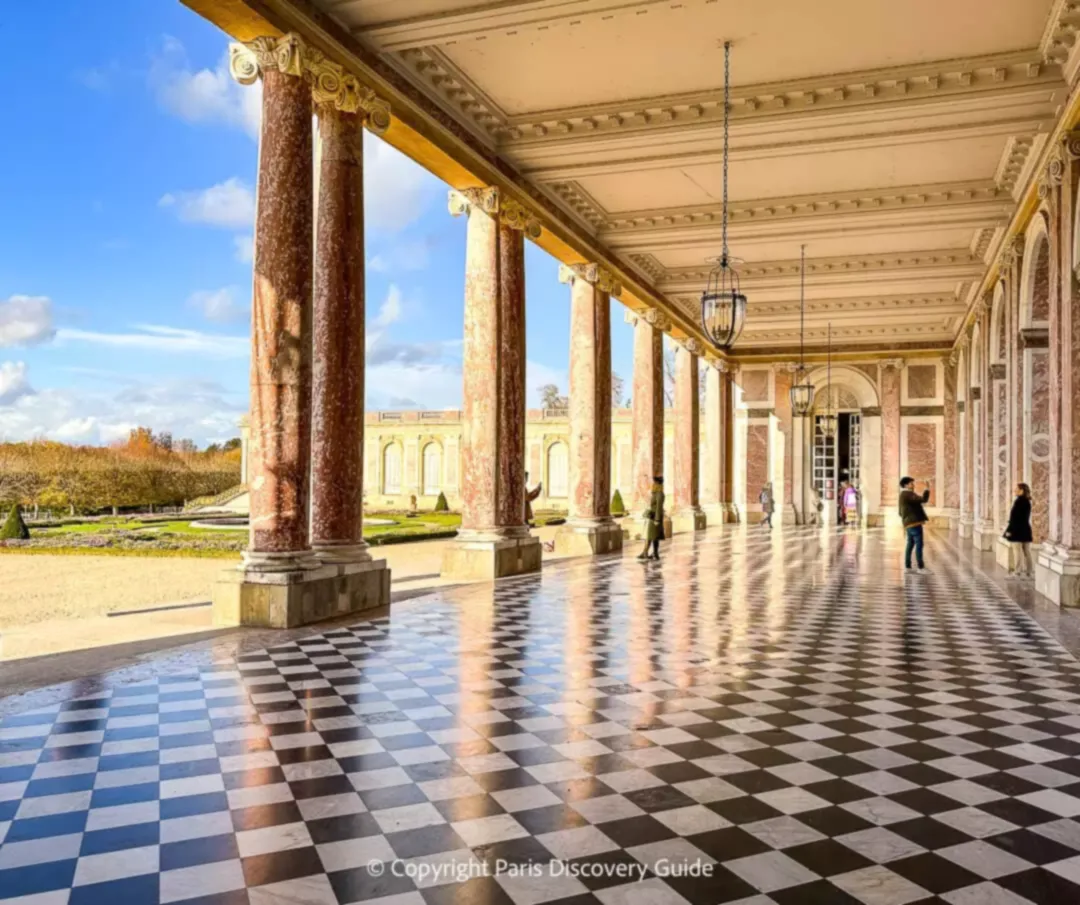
<point>1018,531</point>
<point>768,505</point>
<point>654,520</point>
<point>914,517</point>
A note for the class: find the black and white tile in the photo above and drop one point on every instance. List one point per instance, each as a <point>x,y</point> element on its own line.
<point>788,710</point>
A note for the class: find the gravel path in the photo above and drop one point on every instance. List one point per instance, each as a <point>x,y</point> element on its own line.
<point>40,587</point>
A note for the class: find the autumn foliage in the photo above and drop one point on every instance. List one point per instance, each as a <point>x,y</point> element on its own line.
<point>143,470</point>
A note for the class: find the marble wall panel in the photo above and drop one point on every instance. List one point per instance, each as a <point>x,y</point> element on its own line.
<point>1038,442</point>
<point>922,455</point>
<point>755,386</point>
<point>922,382</point>
<point>757,459</point>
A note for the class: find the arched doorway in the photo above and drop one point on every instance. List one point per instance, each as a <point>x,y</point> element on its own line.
<point>1034,318</point>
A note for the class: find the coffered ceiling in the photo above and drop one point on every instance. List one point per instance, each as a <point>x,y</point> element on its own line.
<point>890,138</point>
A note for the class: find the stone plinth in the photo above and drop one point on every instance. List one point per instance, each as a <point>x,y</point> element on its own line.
<point>984,536</point>
<point>1057,574</point>
<point>965,527</point>
<point>691,519</point>
<point>589,540</point>
<point>299,596</point>
<point>1007,554</point>
<point>718,514</point>
<point>487,558</point>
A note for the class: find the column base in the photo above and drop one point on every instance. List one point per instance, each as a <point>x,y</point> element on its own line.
<point>1007,555</point>
<point>719,514</point>
<point>341,554</point>
<point>966,527</point>
<point>1057,574</point>
<point>688,520</point>
<point>984,537</point>
<point>485,558</point>
<point>287,599</point>
<point>636,528</point>
<point>589,539</point>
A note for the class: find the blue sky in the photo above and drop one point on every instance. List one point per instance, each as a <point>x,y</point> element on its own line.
<point>125,276</point>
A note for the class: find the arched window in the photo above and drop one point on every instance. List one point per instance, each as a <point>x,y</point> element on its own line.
<point>432,469</point>
<point>391,469</point>
<point>558,469</point>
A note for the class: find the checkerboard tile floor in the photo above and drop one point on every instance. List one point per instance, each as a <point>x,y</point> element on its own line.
<point>787,709</point>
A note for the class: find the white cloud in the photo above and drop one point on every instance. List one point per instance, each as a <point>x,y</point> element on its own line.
<point>203,95</point>
<point>219,305</point>
<point>389,310</point>
<point>155,338</point>
<point>397,190</point>
<point>244,248</point>
<point>13,382</point>
<point>229,204</point>
<point>26,320</point>
<point>99,78</point>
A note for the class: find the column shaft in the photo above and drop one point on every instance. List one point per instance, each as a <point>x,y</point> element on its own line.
<point>510,382</point>
<point>950,498</point>
<point>688,515</point>
<point>715,498</point>
<point>727,490</point>
<point>279,457</point>
<point>890,437</point>
<point>648,411</point>
<point>337,517</point>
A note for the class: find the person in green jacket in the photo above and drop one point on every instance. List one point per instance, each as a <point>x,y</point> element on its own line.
<point>654,520</point>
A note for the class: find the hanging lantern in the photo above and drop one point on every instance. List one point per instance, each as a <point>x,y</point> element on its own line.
<point>802,391</point>
<point>828,419</point>
<point>723,305</point>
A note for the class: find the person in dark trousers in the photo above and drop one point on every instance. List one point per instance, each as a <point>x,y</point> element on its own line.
<point>654,521</point>
<point>768,505</point>
<point>914,517</point>
<point>1018,531</point>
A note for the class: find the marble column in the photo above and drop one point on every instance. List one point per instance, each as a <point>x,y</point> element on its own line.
<point>337,474</point>
<point>687,515</point>
<point>494,540</point>
<point>889,376</point>
<point>788,509</point>
<point>984,535</point>
<point>715,495</point>
<point>727,488</point>
<point>647,402</point>
<point>950,498</point>
<point>281,584</point>
<point>590,528</point>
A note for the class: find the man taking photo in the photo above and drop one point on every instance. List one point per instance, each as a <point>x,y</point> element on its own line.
<point>914,517</point>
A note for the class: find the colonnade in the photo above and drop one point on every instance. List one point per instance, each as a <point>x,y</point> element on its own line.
<point>1018,387</point>
<point>307,559</point>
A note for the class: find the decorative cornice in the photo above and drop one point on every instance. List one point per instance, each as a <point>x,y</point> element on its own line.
<point>580,202</point>
<point>590,273</point>
<point>494,203</point>
<point>1017,150</point>
<point>910,84</point>
<point>802,206</point>
<point>330,84</point>
<point>648,265</point>
<point>1061,33</point>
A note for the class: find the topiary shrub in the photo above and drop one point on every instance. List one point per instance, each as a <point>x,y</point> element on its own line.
<point>440,504</point>
<point>14,528</point>
<point>617,506</point>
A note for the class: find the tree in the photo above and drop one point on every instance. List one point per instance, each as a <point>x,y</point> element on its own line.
<point>617,388</point>
<point>551,399</point>
<point>669,378</point>
<point>440,504</point>
<point>618,507</point>
<point>14,528</point>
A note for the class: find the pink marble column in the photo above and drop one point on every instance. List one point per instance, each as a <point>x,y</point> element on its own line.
<point>1068,359</point>
<point>590,391</point>
<point>647,399</point>
<point>782,410</point>
<point>494,539</point>
<point>279,458</point>
<point>688,515</point>
<point>715,492</point>
<point>951,496</point>
<point>590,527</point>
<point>337,516</point>
<point>727,487</point>
<point>890,431</point>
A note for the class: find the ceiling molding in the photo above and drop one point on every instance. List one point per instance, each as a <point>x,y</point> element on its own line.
<point>872,88</point>
<point>1017,150</point>
<point>500,19</point>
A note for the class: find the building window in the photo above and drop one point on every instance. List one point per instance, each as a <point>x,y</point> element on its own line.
<point>432,482</point>
<point>391,469</point>
<point>558,467</point>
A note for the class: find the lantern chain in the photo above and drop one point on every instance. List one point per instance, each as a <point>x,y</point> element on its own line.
<point>727,117</point>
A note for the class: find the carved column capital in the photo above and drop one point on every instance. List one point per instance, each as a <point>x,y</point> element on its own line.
<point>591,273</point>
<point>722,365</point>
<point>785,367</point>
<point>331,84</point>
<point>1070,145</point>
<point>691,345</point>
<point>658,319</point>
<point>886,363</point>
<point>491,201</point>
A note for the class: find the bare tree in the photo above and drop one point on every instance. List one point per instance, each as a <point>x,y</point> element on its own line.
<point>550,398</point>
<point>617,389</point>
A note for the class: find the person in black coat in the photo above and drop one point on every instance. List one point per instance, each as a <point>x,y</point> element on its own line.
<point>1018,531</point>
